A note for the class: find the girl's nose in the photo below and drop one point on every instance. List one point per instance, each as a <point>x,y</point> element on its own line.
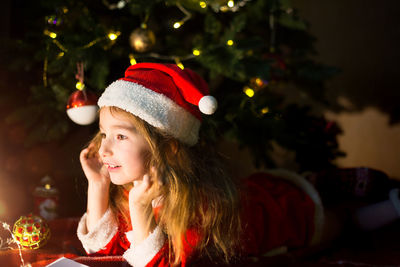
<point>105,148</point>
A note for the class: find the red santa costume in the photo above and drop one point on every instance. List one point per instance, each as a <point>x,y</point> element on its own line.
<point>280,209</point>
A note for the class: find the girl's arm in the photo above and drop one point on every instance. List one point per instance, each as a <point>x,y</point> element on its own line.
<point>146,238</point>
<point>141,211</point>
<point>98,185</point>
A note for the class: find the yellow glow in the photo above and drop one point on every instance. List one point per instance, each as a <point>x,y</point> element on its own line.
<point>80,86</point>
<point>61,54</point>
<point>177,24</point>
<point>265,110</point>
<point>196,52</point>
<point>248,91</point>
<point>231,3</point>
<point>47,186</point>
<point>229,42</point>
<point>132,59</point>
<point>259,82</point>
<point>203,4</point>
<point>50,34</point>
<point>112,36</point>
<point>224,8</point>
<point>180,65</point>
<point>65,9</point>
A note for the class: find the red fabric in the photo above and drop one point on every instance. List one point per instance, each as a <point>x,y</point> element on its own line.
<point>184,87</point>
<point>275,213</point>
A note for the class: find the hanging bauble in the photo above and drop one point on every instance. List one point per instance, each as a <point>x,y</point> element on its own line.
<point>142,39</point>
<point>82,107</point>
<point>31,231</point>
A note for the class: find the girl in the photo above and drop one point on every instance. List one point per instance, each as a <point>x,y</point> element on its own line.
<point>155,196</point>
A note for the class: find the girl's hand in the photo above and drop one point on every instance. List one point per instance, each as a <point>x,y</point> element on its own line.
<point>140,197</point>
<point>93,166</point>
<point>143,193</point>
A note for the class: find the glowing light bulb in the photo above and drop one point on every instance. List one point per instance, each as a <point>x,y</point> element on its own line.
<point>229,42</point>
<point>112,36</point>
<point>47,186</point>
<point>230,3</point>
<point>80,86</point>
<point>265,110</point>
<point>177,24</point>
<point>50,34</point>
<point>132,59</point>
<point>196,52</point>
<point>60,55</point>
<point>259,82</point>
<point>180,65</point>
<point>203,4</point>
<point>248,91</point>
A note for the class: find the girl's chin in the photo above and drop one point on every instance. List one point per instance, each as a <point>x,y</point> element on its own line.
<point>122,181</point>
<point>118,181</point>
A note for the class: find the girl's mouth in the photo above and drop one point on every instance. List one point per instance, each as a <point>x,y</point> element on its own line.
<point>111,166</point>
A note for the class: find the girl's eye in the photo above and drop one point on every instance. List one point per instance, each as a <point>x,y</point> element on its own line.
<point>102,135</point>
<point>121,137</point>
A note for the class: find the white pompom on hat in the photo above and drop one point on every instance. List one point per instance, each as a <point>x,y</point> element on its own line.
<point>163,95</point>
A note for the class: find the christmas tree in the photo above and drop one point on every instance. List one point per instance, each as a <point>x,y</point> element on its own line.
<point>256,56</point>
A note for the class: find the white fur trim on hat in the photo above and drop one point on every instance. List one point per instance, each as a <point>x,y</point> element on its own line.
<point>141,254</point>
<point>154,108</point>
<point>100,235</point>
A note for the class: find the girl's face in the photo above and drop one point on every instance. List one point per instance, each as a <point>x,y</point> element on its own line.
<point>122,148</point>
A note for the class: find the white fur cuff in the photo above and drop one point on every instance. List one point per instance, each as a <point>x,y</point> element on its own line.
<point>142,254</point>
<point>101,234</point>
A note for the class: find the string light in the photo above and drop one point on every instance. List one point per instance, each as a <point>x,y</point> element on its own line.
<point>50,34</point>
<point>80,86</point>
<point>259,82</point>
<point>265,110</point>
<point>178,24</point>
<point>113,35</point>
<point>47,186</point>
<point>229,42</point>
<point>179,63</point>
<point>132,59</point>
<point>248,91</point>
<point>203,4</point>
<point>60,55</point>
<point>188,15</point>
<point>196,52</point>
<point>231,6</point>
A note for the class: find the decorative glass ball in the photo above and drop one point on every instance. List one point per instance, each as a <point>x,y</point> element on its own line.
<point>142,40</point>
<point>82,107</point>
<point>31,232</point>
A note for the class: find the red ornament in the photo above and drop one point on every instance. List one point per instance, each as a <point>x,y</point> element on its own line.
<point>82,107</point>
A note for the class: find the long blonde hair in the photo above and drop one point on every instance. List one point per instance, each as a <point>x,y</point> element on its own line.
<point>196,192</point>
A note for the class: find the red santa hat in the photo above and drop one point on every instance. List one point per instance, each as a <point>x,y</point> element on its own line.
<point>163,95</point>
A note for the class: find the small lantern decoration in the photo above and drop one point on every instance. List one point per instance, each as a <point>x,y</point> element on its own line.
<point>31,232</point>
<point>46,199</point>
